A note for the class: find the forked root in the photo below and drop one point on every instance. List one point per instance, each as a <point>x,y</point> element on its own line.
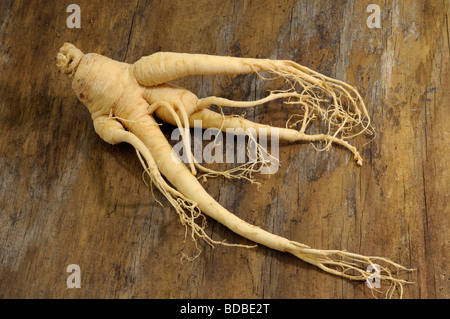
<point>337,105</point>
<point>354,267</point>
<point>334,107</point>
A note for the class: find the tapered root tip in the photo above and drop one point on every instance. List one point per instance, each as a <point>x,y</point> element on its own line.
<point>68,58</point>
<point>353,266</point>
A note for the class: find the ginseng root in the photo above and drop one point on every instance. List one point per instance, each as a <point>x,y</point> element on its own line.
<point>125,99</point>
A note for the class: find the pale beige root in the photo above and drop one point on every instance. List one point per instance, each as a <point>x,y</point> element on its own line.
<point>219,101</point>
<point>110,91</point>
<point>113,132</point>
<point>175,109</point>
<point>211,119</point>
<point>336,102</point>
<point>310,106</point>
<point>190,188</point>
<point>345,101</point>
<point>318,97</point>
<point>162,67</point>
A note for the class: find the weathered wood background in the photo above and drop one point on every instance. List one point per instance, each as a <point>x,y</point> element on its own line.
<point>66,197</point>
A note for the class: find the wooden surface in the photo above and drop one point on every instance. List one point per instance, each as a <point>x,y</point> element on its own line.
<point>66,197</point>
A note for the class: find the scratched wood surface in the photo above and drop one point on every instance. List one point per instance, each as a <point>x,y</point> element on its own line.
<point>66,197</point>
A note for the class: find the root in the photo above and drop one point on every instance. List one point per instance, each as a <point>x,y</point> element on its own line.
<point>337,105</point>
<point>354,267</point>
<point>188,211</point>
<point>208,101</point>
<point>335,108</point>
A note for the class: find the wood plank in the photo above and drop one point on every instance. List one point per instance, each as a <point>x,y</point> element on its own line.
<point>69,198</point>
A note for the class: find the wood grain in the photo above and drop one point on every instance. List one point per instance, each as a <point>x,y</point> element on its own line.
<point>66,197</point>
